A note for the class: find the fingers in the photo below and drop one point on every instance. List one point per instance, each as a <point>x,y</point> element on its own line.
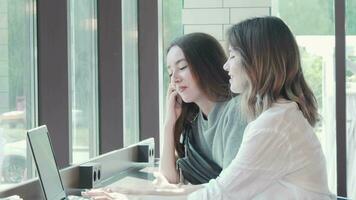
<point>172,92</point>
<point>172,96</point>
<point>14,197</point>
<point>101,198</point>
<point>94,193</point>
<point>179,99</point>
<point>170,89</point>
<point>103,194</point>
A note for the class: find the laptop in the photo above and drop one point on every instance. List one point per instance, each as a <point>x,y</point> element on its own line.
<point>47,169</point>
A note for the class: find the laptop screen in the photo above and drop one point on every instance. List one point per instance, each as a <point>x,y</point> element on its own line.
<point>46,164</point>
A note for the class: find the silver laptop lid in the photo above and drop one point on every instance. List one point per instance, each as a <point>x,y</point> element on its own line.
<point>42,152</point>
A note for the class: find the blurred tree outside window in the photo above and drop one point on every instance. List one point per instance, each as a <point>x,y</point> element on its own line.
<point>17,88</point>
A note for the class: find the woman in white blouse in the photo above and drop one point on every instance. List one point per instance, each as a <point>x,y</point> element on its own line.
<point>280,156</point>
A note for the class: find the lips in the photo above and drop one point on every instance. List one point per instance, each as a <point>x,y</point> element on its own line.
<point>182,88</point>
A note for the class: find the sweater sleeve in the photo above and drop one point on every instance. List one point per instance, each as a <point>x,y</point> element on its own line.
<point>262,158</point>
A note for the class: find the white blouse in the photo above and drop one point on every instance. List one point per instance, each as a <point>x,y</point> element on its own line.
<point>280,158</point>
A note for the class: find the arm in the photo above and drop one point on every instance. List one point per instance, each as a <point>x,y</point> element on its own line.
<point>168,158</point>
<point>263,157</point>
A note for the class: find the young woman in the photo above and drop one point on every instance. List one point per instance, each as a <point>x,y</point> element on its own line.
<point>280,156</point>
<point>202,130</point>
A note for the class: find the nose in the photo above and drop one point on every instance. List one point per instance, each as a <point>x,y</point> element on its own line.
<point>226,66</point>
<point>175,78</point>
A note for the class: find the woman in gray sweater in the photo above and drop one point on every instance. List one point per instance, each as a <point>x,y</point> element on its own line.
<point>199,107</point>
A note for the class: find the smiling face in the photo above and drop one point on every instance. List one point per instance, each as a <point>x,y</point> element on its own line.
<point>238,76</point>
<point>181,76</point>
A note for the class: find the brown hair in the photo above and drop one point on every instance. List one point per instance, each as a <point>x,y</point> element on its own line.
<point>271,60</point>
<point>206,58</point>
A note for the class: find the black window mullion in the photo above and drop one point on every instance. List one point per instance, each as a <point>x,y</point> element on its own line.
<point>148,69</point>
<point>52,71</point>
<point>110,75</point>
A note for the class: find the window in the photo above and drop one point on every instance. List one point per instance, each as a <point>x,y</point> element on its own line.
<point>83,81</point>
<point>171,27</point>
<point>17,88</point>
<point>351,97</point>
<point>130,74</point>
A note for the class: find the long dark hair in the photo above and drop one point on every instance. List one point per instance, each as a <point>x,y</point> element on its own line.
<point>206,58</point>
<point>271,60</point>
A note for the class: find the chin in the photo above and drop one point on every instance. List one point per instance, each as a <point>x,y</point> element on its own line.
<point>187,100</point>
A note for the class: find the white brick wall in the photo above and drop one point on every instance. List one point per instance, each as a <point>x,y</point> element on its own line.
<point>216,16</point>
<point>246,3</point>
<point>214,30</point>
<point>226,27</point>
<point>203,3</point>
<point>239,14</point>
<point>206,16</point>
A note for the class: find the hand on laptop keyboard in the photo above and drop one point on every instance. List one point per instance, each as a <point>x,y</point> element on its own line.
<point>103,194</point>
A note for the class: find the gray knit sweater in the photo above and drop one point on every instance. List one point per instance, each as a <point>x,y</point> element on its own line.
<point>219,136</point>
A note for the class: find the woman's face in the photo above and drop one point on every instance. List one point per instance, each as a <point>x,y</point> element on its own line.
<point>238,76</point>
<point>181,76</point>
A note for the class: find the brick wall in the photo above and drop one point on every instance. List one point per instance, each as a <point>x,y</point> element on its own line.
<point>216,16</point>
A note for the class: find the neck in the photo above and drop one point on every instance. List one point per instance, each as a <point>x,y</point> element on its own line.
<point>205,105</point>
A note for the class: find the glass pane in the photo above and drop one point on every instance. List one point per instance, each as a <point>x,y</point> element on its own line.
<point>130,72</point>
<point>83,70</point>
<point>17,88</point>
<point>171,28</point>
<point>312,22</point>
<point>351,96</point>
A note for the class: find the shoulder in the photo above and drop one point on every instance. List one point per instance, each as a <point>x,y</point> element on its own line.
<point>281,117</point>
<point>232,120</point>
<point>231,108</point>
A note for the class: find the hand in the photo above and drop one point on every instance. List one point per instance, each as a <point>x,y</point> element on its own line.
<point>103,194</point>
<point>162,183</point>
<point>164,187</point>
<point>173,105</point>
<point>14,197</point>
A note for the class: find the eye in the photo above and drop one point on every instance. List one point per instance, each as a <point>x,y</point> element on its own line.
<point>170,74</point>
<point>232,57</point>
<point>182,68</point>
